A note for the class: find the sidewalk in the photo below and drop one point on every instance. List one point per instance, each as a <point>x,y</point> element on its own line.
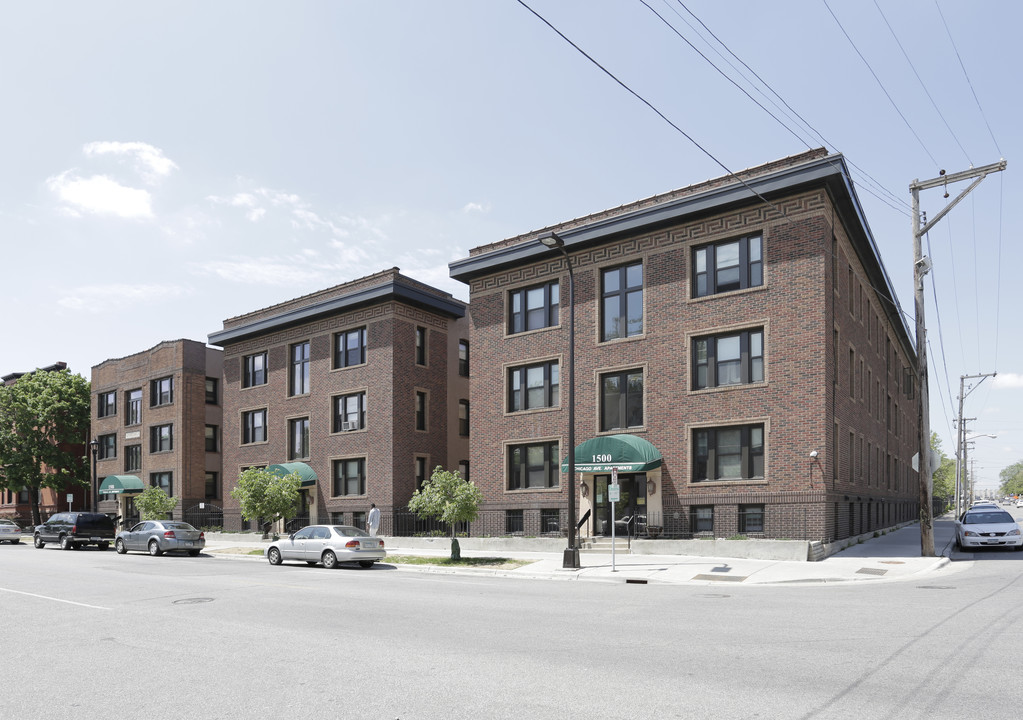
<point>890,557</point>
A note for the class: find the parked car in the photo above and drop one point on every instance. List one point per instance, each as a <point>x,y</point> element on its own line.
<point>9,531</point>
<point>988,527</point>
<point>159,536</point>
<point>74,530</point>
<point>327,544</point>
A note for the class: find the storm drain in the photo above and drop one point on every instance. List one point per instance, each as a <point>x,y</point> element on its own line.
<point>871,571</point>
<point>721,578</point>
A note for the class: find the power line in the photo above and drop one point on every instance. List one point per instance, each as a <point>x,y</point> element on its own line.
<point>920,80</point>
<point>881,85</point>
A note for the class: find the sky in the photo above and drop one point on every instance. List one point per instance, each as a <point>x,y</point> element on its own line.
<point>168,165</point>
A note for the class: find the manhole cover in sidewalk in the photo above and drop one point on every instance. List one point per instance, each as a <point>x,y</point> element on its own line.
<point>192,601</point>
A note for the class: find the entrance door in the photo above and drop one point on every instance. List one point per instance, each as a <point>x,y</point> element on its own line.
<point>631,504</point>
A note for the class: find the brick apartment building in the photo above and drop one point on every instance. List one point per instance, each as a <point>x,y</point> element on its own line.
<point>157,418</point>
<point>724,332</point>
<point>362,388</point>
<point>17,505</point>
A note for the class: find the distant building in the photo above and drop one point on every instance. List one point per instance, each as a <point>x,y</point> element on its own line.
<point>158,416</point>
<point>16,505</point>
<point>741,360</point>
<point>362,388</point>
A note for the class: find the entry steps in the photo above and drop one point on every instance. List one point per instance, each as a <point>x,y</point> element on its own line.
<point>602,545</point>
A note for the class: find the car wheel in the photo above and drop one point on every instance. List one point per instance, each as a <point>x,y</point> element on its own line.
<point>65,543</point>
<point>154,548</point>
<point>103,545</point>
<point>38,541</point>
<point>329,559</point>
<point>120,547</point>
<point>366,563</point>
<point>193,553</point>
<point>274,556</point>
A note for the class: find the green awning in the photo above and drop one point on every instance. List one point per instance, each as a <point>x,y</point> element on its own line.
<point>117,484</point>
<point>628,453</point>
<point>304,472</point>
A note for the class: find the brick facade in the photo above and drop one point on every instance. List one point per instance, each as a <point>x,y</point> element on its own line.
<point>188,364</point>
<point>827,316</point>
<point>390,307</point>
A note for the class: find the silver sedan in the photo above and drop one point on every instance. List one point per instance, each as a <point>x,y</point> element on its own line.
<point>159,536</point>
<point>9,531</point>
<point>328,544</point>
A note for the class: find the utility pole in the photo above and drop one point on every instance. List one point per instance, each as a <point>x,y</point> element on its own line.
<point>961,426</point>
<point>921,266</point>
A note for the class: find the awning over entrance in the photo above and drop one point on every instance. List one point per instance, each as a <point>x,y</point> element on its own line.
<point>304,471</point>
<point>117,484</point>
<point>628,453</point>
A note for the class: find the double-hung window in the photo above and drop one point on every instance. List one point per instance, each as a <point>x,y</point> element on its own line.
<point>463,358</point>
<point>164,480</point>
<point>161,438</point>
<point>728,359</point>
<point>212,391</point>
<point>212,435</point>
<point>733,452</point>
<point>106,404</point>
<point>533,466</point>
<point>132,458</point>
<point>421,410</point>
<point>533,386</point>
<point>350,412</point>
<point>349,477</point>
<point>350,348</point>
<point>299,369</point>
<point>463,418</point>
<point>726,266</point>
<point>622,301</point>
<point>133,405</point>
<point>298,439</point>
<point>421,346</point>
<point>621,400</point>
<point>161,392</point>
<point>253,426</point>
<point>255,370</point>
<point>534,307</point>
<point>107,447</point>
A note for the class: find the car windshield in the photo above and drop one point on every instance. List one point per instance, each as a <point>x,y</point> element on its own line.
<point>7,522</point>
<point>349,531</point>
<point>987,518</point>
<point>177,526</point>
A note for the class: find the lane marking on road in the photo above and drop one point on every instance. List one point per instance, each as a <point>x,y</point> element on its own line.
<point>47,597</point>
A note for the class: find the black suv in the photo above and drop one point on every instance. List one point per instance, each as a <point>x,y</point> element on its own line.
<point>76,529</point>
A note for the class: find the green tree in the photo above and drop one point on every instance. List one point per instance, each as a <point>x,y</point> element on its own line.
<point>44,422</point>
<point>154,503</point>
<point>944,487</point>
<point>266,496</point>
<point>1012,479</point>
<point>450,499</point>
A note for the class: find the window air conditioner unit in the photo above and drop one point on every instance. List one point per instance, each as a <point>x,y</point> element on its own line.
<point>349,426</point>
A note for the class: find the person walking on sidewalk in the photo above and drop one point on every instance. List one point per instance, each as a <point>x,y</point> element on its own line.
<point>373,521</point>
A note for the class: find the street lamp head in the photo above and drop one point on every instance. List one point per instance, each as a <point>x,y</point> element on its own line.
<point>552,240</point>
<point>813,454</point>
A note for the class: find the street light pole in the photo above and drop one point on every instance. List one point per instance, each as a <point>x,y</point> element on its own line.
<point>94,446</point>
<point>571,557</point>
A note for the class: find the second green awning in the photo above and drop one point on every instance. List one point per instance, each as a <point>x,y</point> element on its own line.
<point>305,472</point>
<point>116,484</point>
<point>627,453</point>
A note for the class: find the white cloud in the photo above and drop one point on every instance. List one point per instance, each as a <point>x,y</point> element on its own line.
<point>149,161</point>
<point>98,298</point>
<point>100,195</point>
<point>1008,380</point>
<point>476,208</point>
<point>262,271</point>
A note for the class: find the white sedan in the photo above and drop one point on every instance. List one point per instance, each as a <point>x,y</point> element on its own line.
<point>327,544</point>
<point>988,527</point>
<point>9,532</point>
